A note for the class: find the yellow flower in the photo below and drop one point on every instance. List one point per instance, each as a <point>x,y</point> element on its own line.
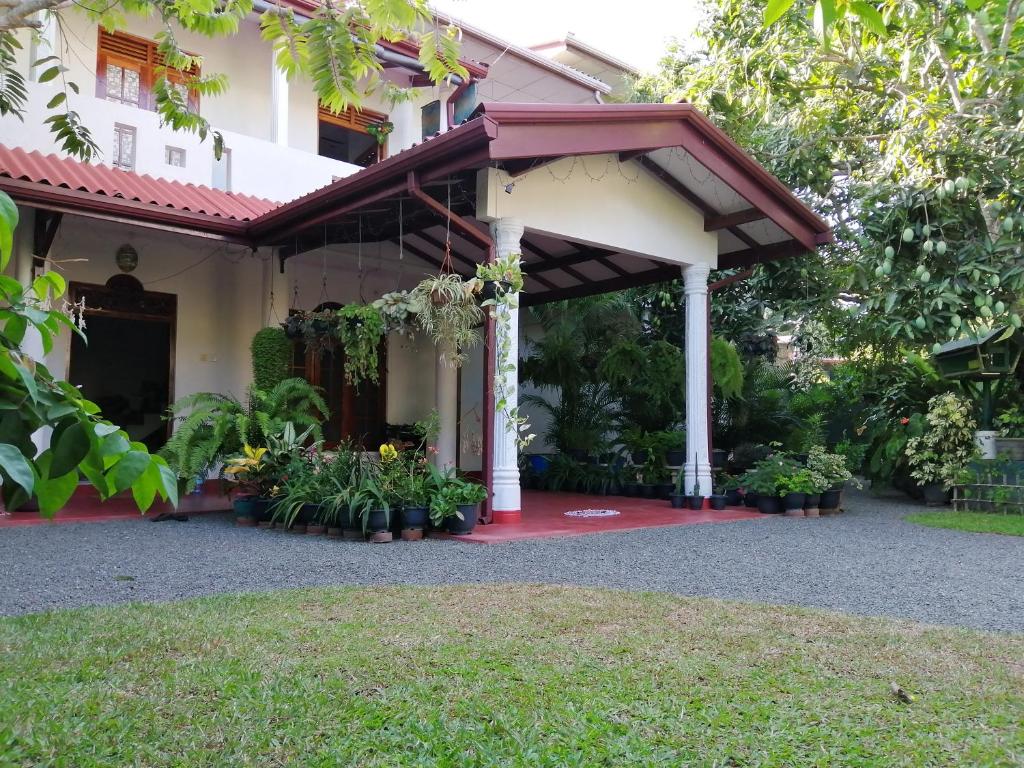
<point>388,452</point>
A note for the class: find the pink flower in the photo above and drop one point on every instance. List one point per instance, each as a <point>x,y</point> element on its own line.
<point>904,421</point>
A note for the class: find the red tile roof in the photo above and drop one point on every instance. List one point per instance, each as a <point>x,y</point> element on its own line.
<point>56,171</point>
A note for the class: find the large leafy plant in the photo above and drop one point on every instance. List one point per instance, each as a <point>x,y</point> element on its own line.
<point>360,329</point>
<point>82,443</point>
<point>212,426</point>
<point>943,451</point>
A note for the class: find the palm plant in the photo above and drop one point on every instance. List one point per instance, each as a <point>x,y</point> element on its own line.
<point>211,425</point>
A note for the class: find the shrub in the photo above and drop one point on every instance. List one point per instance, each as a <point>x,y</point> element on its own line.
<point>271,353</point>
<point>940,454</point>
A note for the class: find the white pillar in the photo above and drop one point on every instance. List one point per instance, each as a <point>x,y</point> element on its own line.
<point>278,106</point>
<point>506,506</point>
<point>446,401</point>
<point>698,462</point>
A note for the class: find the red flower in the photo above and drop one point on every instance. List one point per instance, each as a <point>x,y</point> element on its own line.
<point>904,421</point>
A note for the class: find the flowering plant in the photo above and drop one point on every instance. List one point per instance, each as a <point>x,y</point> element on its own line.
<point>947,445</point>
<point>827,470</point>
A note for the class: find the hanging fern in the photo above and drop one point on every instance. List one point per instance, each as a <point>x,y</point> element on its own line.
<point>271,353</point>
<point>360,330</point>
<point>726,368</point>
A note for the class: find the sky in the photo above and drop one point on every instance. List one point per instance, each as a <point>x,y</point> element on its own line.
<point>639,40</point>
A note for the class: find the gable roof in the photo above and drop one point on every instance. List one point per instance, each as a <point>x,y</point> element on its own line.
<point>756,216</point>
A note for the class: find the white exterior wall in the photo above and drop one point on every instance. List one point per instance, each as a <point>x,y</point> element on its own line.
<point>244,115</point>
<point>600,202</point>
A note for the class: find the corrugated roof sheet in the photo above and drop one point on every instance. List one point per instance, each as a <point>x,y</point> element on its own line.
<point>64,172</point>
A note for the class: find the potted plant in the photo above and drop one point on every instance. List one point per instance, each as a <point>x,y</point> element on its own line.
<point>455,505</point>
<point>793,488</point>
<point>937,457</point>
<point>449,314</point>
<point>731,486</point>
<point>765,480</point>
<point>678,498</point>
<point>250,475</point>
<point>829,473</point>
<point>398,310</point>
<point>360,329</point>
<point>719,500</point>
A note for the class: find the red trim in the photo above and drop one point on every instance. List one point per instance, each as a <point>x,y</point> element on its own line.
<point>506,517</point>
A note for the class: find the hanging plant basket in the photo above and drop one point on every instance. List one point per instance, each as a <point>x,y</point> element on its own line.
<point>492,289</point>
<point>360,329</point>
<point>294,327</point>
<point>449,313</point>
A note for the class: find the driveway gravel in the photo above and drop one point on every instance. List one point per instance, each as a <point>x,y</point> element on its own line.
<point>868,561</point>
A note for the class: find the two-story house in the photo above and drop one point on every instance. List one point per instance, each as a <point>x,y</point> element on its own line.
<point>181,257</point>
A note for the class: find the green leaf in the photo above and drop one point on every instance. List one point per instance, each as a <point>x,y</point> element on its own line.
<point>8,223</point>
<point>774,10</point>
<point>824,17</point>
<point>49,74</point>
<point>871,18</point>
<point>169,480</point>
<point>127,470</point>
<point>57,100</point>
<point>71,449</point>
<point>144,489</point>
<point>53,492</point>
<point>17,467</point>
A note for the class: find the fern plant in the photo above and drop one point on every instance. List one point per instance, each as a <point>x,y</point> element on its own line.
<point>271,353</point>
<point>211,426</point>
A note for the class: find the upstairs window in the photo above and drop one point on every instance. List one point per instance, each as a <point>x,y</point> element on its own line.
<point>123,156</point>
<point>346,136</point>
<point>126,68</point>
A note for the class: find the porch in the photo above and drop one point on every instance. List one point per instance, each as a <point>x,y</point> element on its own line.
<point>587,199</point>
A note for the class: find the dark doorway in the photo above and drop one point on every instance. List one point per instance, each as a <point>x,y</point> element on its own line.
<point>126,366</point>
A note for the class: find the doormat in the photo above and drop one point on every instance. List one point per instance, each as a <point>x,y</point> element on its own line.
<point>592,513</point>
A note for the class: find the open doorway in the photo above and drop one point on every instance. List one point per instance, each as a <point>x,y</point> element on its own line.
<point>127,365</point>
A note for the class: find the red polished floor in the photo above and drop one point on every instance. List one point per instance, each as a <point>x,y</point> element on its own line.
<point>544,517</point>
<point>85,507</point>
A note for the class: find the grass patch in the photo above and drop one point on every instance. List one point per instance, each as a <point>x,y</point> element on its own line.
<point>502,675</point>
<point>977,522</point>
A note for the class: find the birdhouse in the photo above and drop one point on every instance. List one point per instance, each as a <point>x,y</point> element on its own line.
<point>992,355</point>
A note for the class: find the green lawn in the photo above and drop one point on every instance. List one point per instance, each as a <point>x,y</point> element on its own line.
<point>502,675</point>
<point>977,522</point>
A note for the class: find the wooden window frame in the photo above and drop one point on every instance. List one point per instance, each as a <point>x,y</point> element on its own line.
<point>132,52</point>
<point>354,120</point>
<point>123,128</point>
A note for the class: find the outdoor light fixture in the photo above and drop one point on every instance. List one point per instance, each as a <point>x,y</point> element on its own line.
<point>127,258</point>
<point>509,187</point>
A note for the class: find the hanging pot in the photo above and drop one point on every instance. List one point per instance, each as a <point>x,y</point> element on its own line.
<point>491,289</point>
<point>293,327</point>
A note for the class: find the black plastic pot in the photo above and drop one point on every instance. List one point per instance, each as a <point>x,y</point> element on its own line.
<point>793,501</point>
<point>293,327</point>
<point>665,490</point>
<point>695,502</point>
<point>768,505</point>
<point>309,514</point>
<point>812,500</point>
<point>675,458</point>
<point>261,509</point>
<point>733,498</point>
<point>647,490</point>
<point>830,499</point>
<point>490,288</point>
<point>719,502</point>
<point>629,489</point>
<point>377,521</point>
<point>458,527</point>
<point>750,500</point>
<point>678,501</point>
<point>414,517</point>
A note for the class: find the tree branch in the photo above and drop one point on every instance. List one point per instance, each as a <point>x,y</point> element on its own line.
<point>979,32</point>
<point>951,81</point>
<point>18,15</point>
<point>1012,11</point>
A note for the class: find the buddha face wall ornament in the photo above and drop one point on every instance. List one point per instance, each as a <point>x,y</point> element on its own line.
<point>127,258</point>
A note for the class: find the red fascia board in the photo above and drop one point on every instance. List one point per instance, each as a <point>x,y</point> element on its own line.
<point>458,148</point>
